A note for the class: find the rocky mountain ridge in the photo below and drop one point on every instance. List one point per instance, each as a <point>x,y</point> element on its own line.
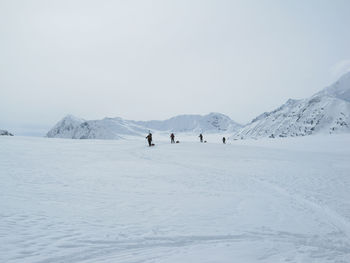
<point>328,111</point>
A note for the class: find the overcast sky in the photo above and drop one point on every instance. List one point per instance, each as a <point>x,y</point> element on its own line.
<point>156,59</point>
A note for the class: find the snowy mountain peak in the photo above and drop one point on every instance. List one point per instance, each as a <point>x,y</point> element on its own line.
<point>72,118</point>
<point>217,114</point>
<point>340,89</point>
<point>65,127</point>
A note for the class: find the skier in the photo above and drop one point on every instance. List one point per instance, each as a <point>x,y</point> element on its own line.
<point>200,137</point>
<point>223,140</point>
<point>172,136</point>
<point>149,139</point>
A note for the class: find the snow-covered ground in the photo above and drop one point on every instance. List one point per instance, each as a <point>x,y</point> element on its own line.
<point>269,200</point>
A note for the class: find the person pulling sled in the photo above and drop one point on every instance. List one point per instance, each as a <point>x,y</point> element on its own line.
<point>149,139</point>
<point>200,137</point>
<point>172,137</point>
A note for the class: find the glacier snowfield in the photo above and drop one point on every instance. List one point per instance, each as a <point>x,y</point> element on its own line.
<point>268,200</point>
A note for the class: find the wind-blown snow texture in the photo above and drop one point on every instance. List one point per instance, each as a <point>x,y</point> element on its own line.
<point>328,111</point>
<point>115,128</point>
<point>281,200</point>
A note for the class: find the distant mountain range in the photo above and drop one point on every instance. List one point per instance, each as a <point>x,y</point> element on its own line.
<point>328,111</point>
<point>116,128</point>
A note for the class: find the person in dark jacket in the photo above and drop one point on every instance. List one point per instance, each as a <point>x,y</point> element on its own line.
<point>200,137</point>
<point>149,139</point>
<point>172,136</point>
<point>223,140</point>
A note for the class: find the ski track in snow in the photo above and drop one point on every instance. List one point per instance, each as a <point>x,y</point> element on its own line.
<point>120,201</point>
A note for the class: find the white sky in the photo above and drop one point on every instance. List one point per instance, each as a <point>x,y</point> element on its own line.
<point>156,59</point>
